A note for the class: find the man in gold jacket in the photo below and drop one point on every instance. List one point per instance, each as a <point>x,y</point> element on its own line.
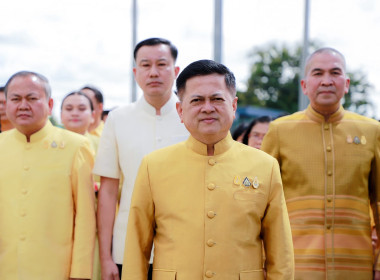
<point>209,203</point>
<point>47,215</point>
<point>330,166</point>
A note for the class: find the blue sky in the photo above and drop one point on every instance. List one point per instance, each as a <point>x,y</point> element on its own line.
<point>89,41</point>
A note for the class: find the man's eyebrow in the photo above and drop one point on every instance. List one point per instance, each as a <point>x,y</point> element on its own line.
<point>196,95</point>
<point>337,69</point>
<point>316,69</point>
<point>144,60</point>
<point>332,69</point>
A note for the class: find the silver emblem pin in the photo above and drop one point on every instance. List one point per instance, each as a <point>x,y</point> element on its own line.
<point>246,182</point>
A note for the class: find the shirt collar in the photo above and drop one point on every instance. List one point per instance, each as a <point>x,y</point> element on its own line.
<point>201,148</point>
<point>317,117</point>
<point>165,110</point>
<point>35,137</point>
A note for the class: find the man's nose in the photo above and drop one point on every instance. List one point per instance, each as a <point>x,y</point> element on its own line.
<point>208,106</point>
<point>24,104</point>
<point>153,72</point>
<point>327,80</point>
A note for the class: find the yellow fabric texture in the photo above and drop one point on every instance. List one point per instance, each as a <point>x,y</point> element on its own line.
<point>96,274</point>
<point>330,172</point>
<point>98,130</point>
<point>47,214</point>
<point>205,216</point>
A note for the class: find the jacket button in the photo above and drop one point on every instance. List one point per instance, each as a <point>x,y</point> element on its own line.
<point>209,274</point>
<point>211,186</point>
<point>328,148</point>
<point>211,161</point>
<point>210,243</point>
<point>211,214</point>
<point>329,173</point>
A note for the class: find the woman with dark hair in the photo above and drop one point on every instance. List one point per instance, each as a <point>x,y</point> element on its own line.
<point>239,132</point>
<point>256,131</point>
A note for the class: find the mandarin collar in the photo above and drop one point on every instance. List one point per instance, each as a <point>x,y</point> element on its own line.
<point>317,117</point>
<point>165,110</point>
<point>35,137</point>
<point>201,148</point>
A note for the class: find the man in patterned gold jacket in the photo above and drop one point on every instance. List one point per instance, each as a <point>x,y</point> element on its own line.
<point>208,203</point>
<point>330,166</point>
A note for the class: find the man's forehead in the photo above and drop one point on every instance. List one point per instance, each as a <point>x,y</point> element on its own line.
<point>156,52</point>
<point>26,81</point>
<point>325,61</point>
<point>26,94</point>
<point>26,87</point>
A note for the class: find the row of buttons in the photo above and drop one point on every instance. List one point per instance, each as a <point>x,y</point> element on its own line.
<point>329,172</point>
<point>209,274</point>
<point>210,215</point>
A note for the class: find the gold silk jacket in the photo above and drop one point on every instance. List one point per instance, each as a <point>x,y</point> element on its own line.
<point>330,172</point>
<point>207,215</point>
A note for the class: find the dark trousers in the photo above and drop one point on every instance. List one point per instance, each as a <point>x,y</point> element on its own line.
<point>120,267</point>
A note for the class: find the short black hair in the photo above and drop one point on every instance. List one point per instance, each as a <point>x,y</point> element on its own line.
<point>262,119</point>
<point>205,67</point>
<point>78,93</point>
<point>154,42</point>
<point>2,89</point>
<point>97,93</point>
<point>42,78</point>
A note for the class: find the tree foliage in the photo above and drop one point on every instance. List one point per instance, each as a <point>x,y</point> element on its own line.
<point>275,77</point>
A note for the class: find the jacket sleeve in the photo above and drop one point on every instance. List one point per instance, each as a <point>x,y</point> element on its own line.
<point>270,143</point>
<point>140,230</point>
<point>84,211</point>
<point>374,190</point>
<point>276,232</point>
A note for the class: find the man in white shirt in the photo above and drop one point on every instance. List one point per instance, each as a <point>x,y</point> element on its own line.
<point>131,132</point>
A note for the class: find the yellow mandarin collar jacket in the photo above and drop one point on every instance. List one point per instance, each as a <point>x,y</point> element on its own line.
<point>208,215</point>
<point>47,214</point>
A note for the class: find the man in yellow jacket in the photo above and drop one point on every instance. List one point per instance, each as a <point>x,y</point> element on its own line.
<point>47,215</point>
<point>330,167</point>
<point>209,203</point>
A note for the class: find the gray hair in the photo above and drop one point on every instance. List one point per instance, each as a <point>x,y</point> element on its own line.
<point>42,78</point>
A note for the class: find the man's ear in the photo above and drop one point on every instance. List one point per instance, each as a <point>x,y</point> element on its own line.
<point>178,106</point>
<point>303,86</point>
<point>51,104</point>
<point>347,86</point>
<point>176,71</point>
<point>234,105</point>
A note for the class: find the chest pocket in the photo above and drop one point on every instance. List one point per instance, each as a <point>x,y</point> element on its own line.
<point>159,274</point>
<point>249,195</point>
<point>251,275</point>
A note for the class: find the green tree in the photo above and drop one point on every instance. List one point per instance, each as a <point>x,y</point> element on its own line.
<point>275,76</point>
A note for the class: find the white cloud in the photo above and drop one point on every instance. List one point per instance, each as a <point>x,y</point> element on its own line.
<point>89,41</point>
